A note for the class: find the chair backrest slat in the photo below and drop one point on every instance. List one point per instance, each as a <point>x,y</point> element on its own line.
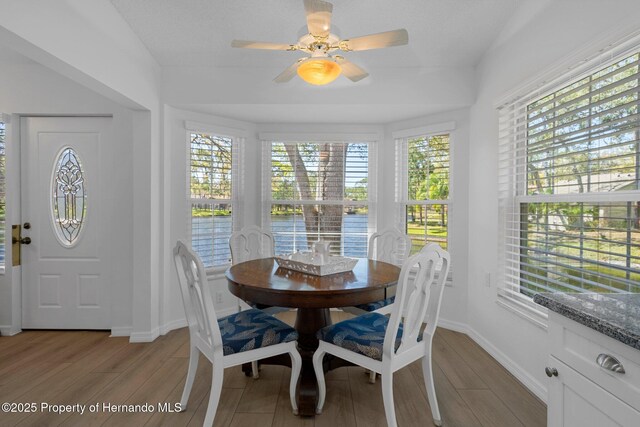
<point>196,297</point>
<point>418,297</point>
<point>250,243</point>
<point>390,246</point>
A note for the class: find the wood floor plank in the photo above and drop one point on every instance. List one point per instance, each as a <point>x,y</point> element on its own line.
<point>121,389</point>
<point>367,399</point>
<point>454,367</point>
<point>87,358</point>
<point>8,345</point>
<point>21,338</point>
<point>35,352</point>
<point>79,393</point>
<point>251,420</point>
<point>26,377</point>
<point>153,392</point>
<point>529,410</point>
<point>412,407</point>
<point>283,416</point>
<point>489,410</point>
<point>123,358</point>
<point>338,408</point>
<point>262,395</point>
<point>18,388</point>
<point>200,389</point>
<point>453,409</point>
<point>234,377</point>
<point>226,409</point>
<point>84,345</point>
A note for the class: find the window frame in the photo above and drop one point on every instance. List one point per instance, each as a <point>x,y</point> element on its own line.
<point>402,200</point>
<point>513,163</point>
<point>371,140</point>
<point>237,169</point>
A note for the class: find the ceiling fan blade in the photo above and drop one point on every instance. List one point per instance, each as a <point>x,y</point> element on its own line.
<point>376,41</point>
<point>318,17</point>
<point>351,70</point>
<point>248,44</point>
<point>288,73</point>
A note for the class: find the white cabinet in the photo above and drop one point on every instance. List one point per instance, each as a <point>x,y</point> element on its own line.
<point>575,401</point>
<point>581,392</point>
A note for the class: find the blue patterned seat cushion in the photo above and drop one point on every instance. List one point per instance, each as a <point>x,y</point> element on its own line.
<point>363,334</point>
<point>251,329</point>
<point>373,306</point>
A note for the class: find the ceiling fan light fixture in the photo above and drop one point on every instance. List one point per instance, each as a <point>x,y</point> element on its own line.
<point>319,71</point>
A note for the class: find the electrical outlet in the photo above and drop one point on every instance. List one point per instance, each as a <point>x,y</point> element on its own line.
<point>218,297</point>
<point>487,279</point>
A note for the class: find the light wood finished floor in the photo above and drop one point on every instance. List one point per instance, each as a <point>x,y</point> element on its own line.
<point>88,367</point>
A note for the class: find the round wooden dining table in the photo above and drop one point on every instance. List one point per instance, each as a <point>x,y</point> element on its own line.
<point>262,281</point>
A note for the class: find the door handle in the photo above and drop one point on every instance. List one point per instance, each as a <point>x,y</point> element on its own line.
<point>24,240</point>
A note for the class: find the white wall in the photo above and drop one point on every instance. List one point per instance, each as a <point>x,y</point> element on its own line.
<point>543,38</point>
<point>28,88</point>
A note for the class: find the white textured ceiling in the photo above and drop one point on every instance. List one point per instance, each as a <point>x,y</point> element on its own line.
<point>442,33</point>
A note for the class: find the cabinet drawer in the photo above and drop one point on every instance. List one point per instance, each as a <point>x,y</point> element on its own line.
<point>574,401</point>
<point>579,347</point>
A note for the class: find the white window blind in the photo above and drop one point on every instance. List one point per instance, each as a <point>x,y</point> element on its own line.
<point>422,188</point>
<point>318,190</point>
<point>569,171</point>
<point>214,182</point>
<point>2,194</point>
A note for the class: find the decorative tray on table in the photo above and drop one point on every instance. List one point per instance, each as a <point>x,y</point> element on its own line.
<point>312,264</point>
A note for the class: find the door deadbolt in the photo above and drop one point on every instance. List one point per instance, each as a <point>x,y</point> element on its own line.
<point>27,225</point>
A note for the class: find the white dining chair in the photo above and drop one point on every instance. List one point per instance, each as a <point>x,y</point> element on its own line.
<point>230,341</point>
<point>386,344</point>
<point>250,243</point>
<point>391,246</point>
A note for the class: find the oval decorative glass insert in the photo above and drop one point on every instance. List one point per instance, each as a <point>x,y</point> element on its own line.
<point>69,196</point>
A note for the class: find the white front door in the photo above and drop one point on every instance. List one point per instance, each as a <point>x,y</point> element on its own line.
<point>64,283</point>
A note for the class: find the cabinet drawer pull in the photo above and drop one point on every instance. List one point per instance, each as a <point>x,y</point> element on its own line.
<point>551,372</point>
<point>609,362</point>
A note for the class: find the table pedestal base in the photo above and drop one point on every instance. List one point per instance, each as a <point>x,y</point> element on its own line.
<point>308,322</point>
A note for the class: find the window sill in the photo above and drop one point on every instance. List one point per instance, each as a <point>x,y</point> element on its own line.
<point>523,308</point>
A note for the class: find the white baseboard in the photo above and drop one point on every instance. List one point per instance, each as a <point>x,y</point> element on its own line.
<point>9,331</point>
<point>453,326</point>
<point>174,324</point>
<point>524,377</point>
<point>182,323</point>
<point>147,336</point>
<point>121,331</point>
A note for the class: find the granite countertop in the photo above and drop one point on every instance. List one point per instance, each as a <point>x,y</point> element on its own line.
<point>615,315</point>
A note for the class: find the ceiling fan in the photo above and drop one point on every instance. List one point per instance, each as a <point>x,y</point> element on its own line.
<point>322,66</point>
